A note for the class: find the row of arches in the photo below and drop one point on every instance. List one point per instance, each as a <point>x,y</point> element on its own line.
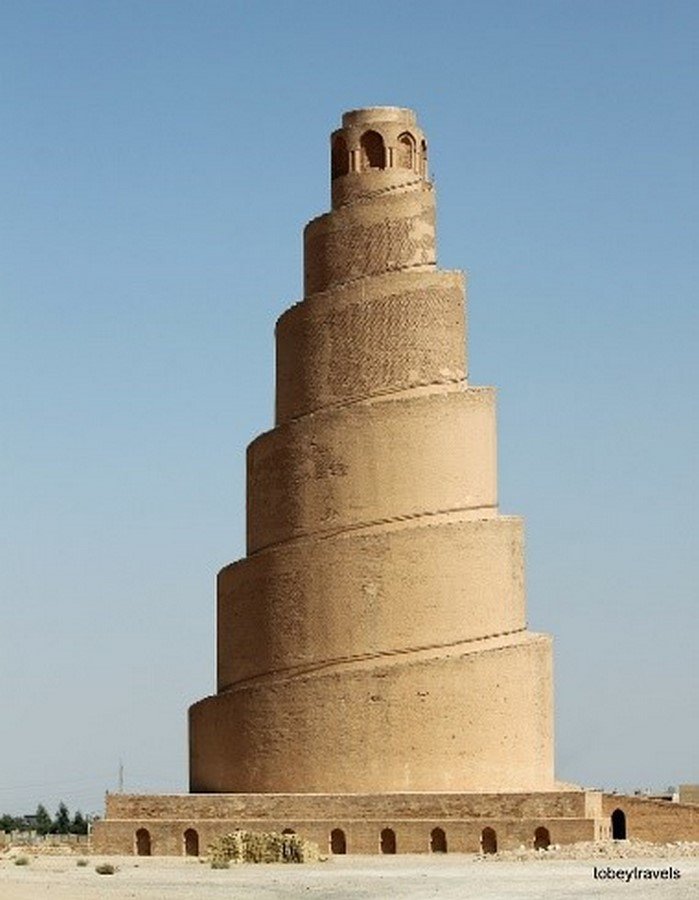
<point>387,839</point>
<point>338,841</point>
<point>144,843</point>
<point>438,840</point>
<point>373,153</point>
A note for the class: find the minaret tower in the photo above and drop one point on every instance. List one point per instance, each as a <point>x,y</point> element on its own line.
<point>374,638</point>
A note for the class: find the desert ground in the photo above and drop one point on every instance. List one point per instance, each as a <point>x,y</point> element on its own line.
<point>403,877</point>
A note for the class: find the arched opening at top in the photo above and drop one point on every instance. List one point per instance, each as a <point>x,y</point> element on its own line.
<point>191,842</point>
<point>373,151</point>
<point>388,841</point>
<point>143,842</point>
<point>489,841</point>
<point>423,159</point>
<point>542,838</point>
<point>338,841</point>
<point>438,841</point>
<point>339,157</point>
<point>619,825</point>
<point>405,152</point>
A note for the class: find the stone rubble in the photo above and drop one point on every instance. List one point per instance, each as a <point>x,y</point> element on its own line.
<point>602,850</point>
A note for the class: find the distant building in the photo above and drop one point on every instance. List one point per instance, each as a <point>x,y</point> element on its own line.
<point>689,793</point>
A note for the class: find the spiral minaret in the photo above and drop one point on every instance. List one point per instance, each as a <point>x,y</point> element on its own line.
<point>374,638</point>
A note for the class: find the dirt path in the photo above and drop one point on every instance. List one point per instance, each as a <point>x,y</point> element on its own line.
<point>453,877</point>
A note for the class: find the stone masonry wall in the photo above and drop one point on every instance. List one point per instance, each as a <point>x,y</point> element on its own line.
<point>658,821</point>
<point>362,836</point>
<point>370,339</point>
<point>294,592</point>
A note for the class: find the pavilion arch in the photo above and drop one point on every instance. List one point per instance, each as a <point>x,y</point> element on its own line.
<point>405,151</point>
<point>373,151</point>
<point>339,157</point>
<point>438,841</point>
<point>423,158</point>
<point>388,840</point>
<point>619,825</point>
<point>489,841</point>
<point>144,845</point>
<point>542,838</point>
<point>191,842</point>
<point>338,842</point>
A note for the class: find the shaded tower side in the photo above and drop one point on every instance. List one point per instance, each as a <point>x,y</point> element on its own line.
<point>374,638</point>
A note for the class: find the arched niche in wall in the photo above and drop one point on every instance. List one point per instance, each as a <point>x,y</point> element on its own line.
<point>191,842</point>
<point>143,842</point>
<point>489,841</point>
<point>339,157</point>
<point>373,151</point>
<point>405,151</point>
<point>338,841</point>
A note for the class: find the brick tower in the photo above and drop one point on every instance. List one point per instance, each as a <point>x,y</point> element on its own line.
<point>378,690</point>
<point>374,638</point>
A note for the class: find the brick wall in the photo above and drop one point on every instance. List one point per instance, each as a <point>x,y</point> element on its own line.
<point>279,807</point>
<point>658,821</point>
<point>362,836</point>
<point>370,339</point>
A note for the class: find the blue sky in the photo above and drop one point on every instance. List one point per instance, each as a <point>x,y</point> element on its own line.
<point>158,163</point>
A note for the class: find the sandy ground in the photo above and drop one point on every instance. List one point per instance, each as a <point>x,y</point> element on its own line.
<point>396,878</point>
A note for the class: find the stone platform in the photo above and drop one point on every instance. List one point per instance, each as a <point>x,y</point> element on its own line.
<point>419,822</point>
<point>181,824</point>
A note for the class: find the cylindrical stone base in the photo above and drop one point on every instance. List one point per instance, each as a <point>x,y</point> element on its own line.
<point>471,718</point>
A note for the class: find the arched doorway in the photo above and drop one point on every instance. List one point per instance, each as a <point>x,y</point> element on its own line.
<point>619,825</point>
<point>438,841</point>
<point>373,151</point>
<point>542,838</point>
<point>489,841</point>
<point>339,159</point>
<point>405,151</point>
<point>191,842</point>
<point>338,841</point>
<point>388,841</point>
<point>143,842</point>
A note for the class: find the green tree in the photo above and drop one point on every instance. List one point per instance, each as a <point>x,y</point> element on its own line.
<point>43,820</point>
<point>10,823</point>
<point>61,824</point>
<point>79,824</point>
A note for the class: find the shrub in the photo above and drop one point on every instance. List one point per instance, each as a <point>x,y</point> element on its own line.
<point>81,862</point>
<point>22,861</point>
<point>105,869</point>
<point>258,847</point>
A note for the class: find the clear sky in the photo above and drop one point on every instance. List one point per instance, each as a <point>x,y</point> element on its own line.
<point>158,161</point>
